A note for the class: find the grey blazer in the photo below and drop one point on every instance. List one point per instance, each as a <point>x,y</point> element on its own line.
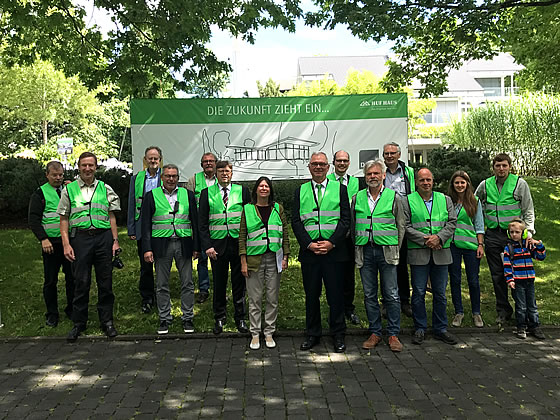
<point>422,256</point>
<point>390,252</point>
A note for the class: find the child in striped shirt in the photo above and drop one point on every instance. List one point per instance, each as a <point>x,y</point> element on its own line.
<point>520,277</point>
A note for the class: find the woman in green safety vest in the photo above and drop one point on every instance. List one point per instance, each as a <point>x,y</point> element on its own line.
<point>467,245</point>
<point>264,249</point>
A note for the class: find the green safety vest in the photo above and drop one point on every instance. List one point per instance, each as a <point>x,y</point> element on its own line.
<point>409,172</point>
<point>165,222</point>
<point>352,187</point>
<point>501,207</point>
<point>465,235</point>
<point>257,240</point>
<point>381,223</point>
<point>139,184</point>
<point>84,214</point>
<point>51,219</point>
<point>421,220</point>
<point>200,184</point>
<point>319,221</point>
<point>224,221</point>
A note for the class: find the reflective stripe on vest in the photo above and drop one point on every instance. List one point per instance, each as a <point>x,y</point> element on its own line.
<point>352,187</point>
<point>200,184</point>
<point>465,234</point>
<point>501,207</point>
<point>164,222</point>
<point>84,214</point>
<point>257,240</point>
<point>421,220</point>
<point>319,221</point>
<point>224,221</point>
<point>381,223</point>
<point>51,219</point>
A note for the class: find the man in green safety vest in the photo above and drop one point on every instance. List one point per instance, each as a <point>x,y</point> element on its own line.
<point>341,163</point>
<point>430,221</point>
<point>320,221</point>
<point>400,178</point>
<point>45,225</point>
<point>378,231</point>
<point>88,228</point>
<point>219,216</point>
<point>196,183</point>
<point>504,197</point>
<point>140,184</point>
<point>170,232</point>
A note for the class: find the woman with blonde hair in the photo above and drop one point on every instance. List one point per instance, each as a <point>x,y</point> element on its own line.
<point>467,245</point>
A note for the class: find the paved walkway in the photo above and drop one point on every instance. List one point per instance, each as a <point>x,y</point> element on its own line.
<point>487,375</point>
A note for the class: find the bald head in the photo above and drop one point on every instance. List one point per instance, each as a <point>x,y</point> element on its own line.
<point>425,183</point>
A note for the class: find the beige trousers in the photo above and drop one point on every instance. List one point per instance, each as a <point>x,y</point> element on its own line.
<point>267,280</point>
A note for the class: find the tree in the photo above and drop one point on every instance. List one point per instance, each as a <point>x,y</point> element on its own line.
<point>156,47</point>
<point>270,90</point>
<point>430,37</point>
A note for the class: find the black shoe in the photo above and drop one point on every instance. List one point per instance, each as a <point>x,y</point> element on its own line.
<point>109,329</point>
<point>242,326</point>
<point>339,346</point>
<point>146,307</point>
<point>353,318</point>
<point>406,309</point>
<point>202,297</point>
<point>163,327</point>
<point>418,337</point>
<point>52,321</point>
<point>537,333</point>
<point>446,337</point>
<point>188,326</point>
<point>310,342</point>
<point>74,333</point>
<point>219,326</point>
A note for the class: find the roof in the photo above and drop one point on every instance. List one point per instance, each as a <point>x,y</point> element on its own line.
<point>338,66</point>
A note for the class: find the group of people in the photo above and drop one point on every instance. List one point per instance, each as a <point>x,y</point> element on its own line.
<point>395,222</point>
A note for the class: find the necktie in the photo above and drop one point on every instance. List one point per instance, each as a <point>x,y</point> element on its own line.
<point>225,196</point>
<point>342,180</point>
<point>319,193</point>
<point>59,190</point>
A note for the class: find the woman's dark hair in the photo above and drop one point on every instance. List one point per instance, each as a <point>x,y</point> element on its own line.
<point>469,200</point>
<point>254,192</point>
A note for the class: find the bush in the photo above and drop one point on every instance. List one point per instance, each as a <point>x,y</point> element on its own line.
<point>443,162</point>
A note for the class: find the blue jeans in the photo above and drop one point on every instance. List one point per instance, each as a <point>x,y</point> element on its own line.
<point>374,262</point>
<point>526,313</point>
<point>472,267</point>
<point>203,276</point>
<point>438,276</point>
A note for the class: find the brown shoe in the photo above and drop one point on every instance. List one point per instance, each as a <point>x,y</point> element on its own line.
<point>394,344</point>
<point>371,342</point>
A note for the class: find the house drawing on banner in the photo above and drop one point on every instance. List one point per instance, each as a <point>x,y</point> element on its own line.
<point>287,149</point>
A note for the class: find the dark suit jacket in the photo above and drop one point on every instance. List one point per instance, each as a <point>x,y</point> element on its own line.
<point>159,245</point>
<point>220,245</point>
<point>340,251</point>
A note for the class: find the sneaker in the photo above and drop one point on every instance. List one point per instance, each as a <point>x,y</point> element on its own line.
<point>537,333</point>
<point>163,327</point>
<point>255,343</point>
<point>477,320</point>
<point>188,326</point>
<point>457,320</point>
<point>371,342</point>
<point>521,333</point>
<point>269,341</point>
<point>202,297</point>
<point>395,344</point>
<point>445,337</point>
<point>418,337</point>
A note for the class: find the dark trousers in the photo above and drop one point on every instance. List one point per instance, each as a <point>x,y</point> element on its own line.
<point>496,241</point>
<point>146,283</point>
<point>93,251</point>
<point>220,268</point>
<point>402,276</point>
<point>51,265</point>
<point>349,275</point>
<point>324,269</point>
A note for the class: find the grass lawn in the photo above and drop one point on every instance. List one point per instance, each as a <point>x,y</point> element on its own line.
<point>22,307</point>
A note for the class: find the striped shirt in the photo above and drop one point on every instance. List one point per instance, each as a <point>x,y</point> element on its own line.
<point>518,261</point>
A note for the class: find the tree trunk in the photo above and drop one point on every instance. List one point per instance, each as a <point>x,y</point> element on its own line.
<point>44,125</point>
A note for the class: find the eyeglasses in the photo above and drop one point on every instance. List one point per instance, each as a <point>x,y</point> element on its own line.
<point>341,160</point>
<point>390,153</point>
<point>208,161</point>
<point>170,176</point>
<point>318,164</point>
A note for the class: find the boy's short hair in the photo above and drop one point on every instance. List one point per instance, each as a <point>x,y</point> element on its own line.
<point>519,222</point>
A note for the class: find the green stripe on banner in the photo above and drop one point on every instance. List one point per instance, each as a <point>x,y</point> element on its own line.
<point>259,110</point>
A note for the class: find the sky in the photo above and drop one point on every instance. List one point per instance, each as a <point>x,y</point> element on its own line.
<point>274,53</point>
